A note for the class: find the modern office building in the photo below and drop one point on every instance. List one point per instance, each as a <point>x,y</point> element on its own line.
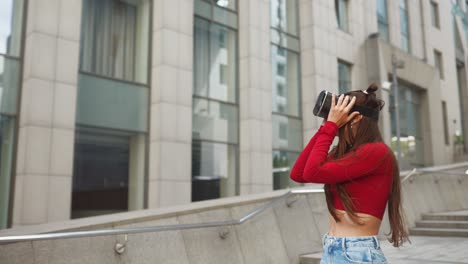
<point>116,105</point>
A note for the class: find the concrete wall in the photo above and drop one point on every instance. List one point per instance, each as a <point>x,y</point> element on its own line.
<point>278,235</point>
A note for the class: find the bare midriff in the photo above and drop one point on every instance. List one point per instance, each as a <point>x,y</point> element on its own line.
<point>346,227</point>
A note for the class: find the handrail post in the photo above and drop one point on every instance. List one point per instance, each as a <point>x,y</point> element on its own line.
<point>224,231</point>
<point>291,200</point>
<point>120,247</point>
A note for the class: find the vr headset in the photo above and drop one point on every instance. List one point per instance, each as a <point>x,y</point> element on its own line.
<point>323,105</point>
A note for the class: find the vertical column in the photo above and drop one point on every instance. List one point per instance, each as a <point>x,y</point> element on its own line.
<point>171,103</point>
<point>255,100</point>
<point>47,115</point>
<point>309,27</point>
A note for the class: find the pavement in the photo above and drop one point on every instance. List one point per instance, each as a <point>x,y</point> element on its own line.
<point>428,250</point>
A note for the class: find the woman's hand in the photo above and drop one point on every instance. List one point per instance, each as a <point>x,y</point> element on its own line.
<point>339,112</point>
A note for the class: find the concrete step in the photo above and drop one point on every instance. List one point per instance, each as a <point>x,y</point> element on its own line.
<point>442,224</point>
<point>441,232</point>
<point>448,216</point>
<point>312,258</point>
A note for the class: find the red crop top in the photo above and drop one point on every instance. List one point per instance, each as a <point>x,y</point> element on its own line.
<point>367,172</point>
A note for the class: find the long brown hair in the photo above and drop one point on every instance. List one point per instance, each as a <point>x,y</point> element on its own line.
<point>366,132</point>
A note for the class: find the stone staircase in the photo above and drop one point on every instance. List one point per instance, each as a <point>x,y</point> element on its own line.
<point>445,224</point>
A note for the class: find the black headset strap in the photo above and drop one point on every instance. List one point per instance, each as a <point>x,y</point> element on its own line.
<point>369,112</point>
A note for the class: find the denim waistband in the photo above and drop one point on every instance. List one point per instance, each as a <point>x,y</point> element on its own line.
<point>351,241</point>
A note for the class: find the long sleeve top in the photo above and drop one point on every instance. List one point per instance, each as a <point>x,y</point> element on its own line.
<point>366,172</point>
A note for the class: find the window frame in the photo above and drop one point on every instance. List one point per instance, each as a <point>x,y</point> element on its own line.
<point>349,68</point>
<point>285,31</point>
<point>435,16</point>
<point>404,14</point>
<point>343,25</point>
<point>445,123</point>
<point>439,63</point>
<point>382,21</point>
<point>212,21</point>
<point>286,42</point>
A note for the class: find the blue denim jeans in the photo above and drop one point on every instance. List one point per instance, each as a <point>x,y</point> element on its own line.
<point>357,249</point>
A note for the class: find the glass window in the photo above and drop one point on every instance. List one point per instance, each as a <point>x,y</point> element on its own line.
<point>286,82</point>
<point>223,74</point>
<point>459,50</point>
<point>214,170</point>
<point>215,45</point>
<point>283,131</point>
<point>281,108</point>
<point>404,26</point>
<point>435,14</point>
<point>439,63</point>
<point>280,69</point>
<point>280,89</point>
<point>230,4</point>
<point>11,25</point>
<point>224,17</point>
<point>108,172</point>
<point>286,105</point>
<point>382,19</point>
<point>7,139</point>
<point>283,40</point>
<point>112,108</point>
<point>9,83</point>
<point>202,8</point>
<point>341,9</point>
<point>112,104</point>
<point>283,161</point>
<point>281,52</point>
<point>11,18</point>
<point>344,77</point>
<point>284,16</point>
<point>222,37</point>
<point>114,39</point>
<point>223,11</point>
<point>405,43</point>
<point>411,140</point>
<point>287,133</point>
<point>445,117</point>
<point>214,120</point>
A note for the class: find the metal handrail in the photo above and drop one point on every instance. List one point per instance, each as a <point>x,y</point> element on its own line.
<point>438,169</point>
<point>136,230</point>
<point>409,175</point>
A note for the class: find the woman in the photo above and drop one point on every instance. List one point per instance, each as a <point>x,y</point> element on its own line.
<point>360,175</point>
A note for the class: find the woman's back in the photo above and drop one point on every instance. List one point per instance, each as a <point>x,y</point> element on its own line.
<point>346,227</point>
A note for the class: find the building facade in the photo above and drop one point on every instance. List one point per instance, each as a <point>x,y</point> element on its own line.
<point>118,105</point>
